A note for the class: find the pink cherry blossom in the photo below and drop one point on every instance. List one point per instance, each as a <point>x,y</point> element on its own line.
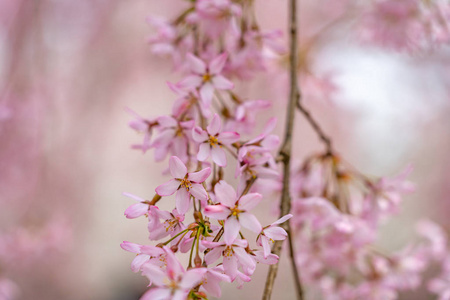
<point>173,282</point>
<point>272,233</point>
<point>172,224</point>
<point>173,138</point>
<point>205,77</point>
<point>184,183</point>
<point>138,209</point>
<point>145,254</point>
<point>234,210</point>
<point>144,126</point>
<point>234,256</point>
<point>213,140</point>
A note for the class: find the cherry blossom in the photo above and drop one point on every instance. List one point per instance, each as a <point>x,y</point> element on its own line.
<point>234,210</point>
<point>205,77</point>
<point>184,183</point>
<point>213,140</point>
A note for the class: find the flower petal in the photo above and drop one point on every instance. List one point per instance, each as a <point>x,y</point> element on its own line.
<point>250,222</point>
<point>155,274</point>
<point>228,137</point>
<point>218,156</point>
<point>182,200</point>
<point>177,168</point>
<point>168,188</point>
<point>199,135</point>
<point>138,261</point>
<point>218,212</point>
<point>206,93</point>
<point>136,210</point>
<point>192,277</point>
<point>230,266</point>
<point>196,64</point>
<point>190,82</point>
<point>213,255</point>
<point>221,83</point>
<point>199,176</point>
<point>203,152</point>
<point>275,233</point>
<point>249,201</point>
<point>217,64</point>
<point>156,294</point>
<point>231,231</point>
<point>215,125</point>
<point>198,191</point>
<point>282,219</point>
<point>225,193</point>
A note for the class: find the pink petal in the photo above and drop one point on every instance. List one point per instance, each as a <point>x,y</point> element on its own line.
<point>179,295</point>
<point>218,156</point>
<point>231,231</point>
<point>275,233</point>
<point>199,176</point>
<point>213,255</point>
<point>168,188</point>
<point>203,151</point>
<point>249,201</point>
<point>215,125</point>
<point>196,64</point>
<point>131,247</point>
<point>199,135</point>
<point>230,266</point>
<point>228,137</point>
<point>250,222</point>
<point>269,260</point>
<point>225,194</point>
<point>155,274</point>
<point>182,200</point>
<point>218,212</point>
<point>177,168</point>
<point>198,191</point>
<point>221,83</point>
<point>136,210</point>
<point>174,267</point>
<point>244,258</point>
<point>266,246</point>
<point>192,278</point>
<point>282,219</point>
<point>206,93</point>
<point>138,261</point>
<point>167,121</point>
<point>217,64</point>
<point>156,294</point>
<point>133,197</point>
<point>190,82</point>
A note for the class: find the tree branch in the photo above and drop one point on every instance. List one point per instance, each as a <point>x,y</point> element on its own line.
<point>285,153</point>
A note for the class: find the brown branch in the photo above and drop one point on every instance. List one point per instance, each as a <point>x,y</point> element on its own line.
<point>323,137</point>
<point>285,153</point>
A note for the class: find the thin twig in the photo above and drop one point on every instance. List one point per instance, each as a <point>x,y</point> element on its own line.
<point>285,153</point>
<point>323,137</point>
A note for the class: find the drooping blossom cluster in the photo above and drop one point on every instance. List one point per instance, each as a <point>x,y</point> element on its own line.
<point>213,219</point>
<point>408,25</point>
<point>336,211</point>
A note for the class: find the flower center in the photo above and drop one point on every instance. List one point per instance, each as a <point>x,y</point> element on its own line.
<point>213,141</point>
<point>206,77</point>
<point>235,211</point>
<point>228,252</point>
<point>186,184</point>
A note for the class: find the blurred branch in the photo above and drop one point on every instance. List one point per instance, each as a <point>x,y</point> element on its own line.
<point>323,137</point>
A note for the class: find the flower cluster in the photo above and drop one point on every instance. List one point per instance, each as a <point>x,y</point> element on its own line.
<point>212,220</point>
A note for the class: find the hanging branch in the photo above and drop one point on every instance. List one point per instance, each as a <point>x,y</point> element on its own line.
<point>285,153</point>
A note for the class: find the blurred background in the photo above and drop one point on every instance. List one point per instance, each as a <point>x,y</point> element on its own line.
<point>68,70</point>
